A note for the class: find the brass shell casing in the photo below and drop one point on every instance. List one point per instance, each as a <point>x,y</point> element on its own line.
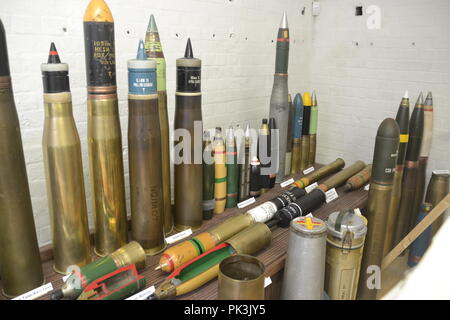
<point>252,239</point>
<point>131,253</point>
<point>296,155</point>
<point>241,277</point>
<point>342,176</point>
<point>106,173</point>
<point>20,261</point>
<point>305,152</point>
<point>231,226</point>
<point>65,184</point>
<point>312,150</point>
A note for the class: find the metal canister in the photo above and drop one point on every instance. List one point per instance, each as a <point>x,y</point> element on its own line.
<point>437,189</point>
<point>304,270</point>
<point>345,243</point>
<point>241,277</point>
<point>20,269</point>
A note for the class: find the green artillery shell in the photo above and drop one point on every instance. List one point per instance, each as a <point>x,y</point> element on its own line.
<point>20,269</point>
<point>208,177</point>
<point>232,170</point>
<point>104,133</point>
<point>188,115</point>
<point>154,52</point>
<point>63,170</point>
<point>402,119</point>
<point>144,149</point>
<point>384,160</point>
<point>297,134</point>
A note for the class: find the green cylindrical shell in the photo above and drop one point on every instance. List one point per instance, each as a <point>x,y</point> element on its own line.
<point>415,133</point>
<point>244,171</point>
<point>386,150</point>
<point>342,176</point>
<point>359,179</point>
<point>20,269</point>
<point>208,180</point>
<point>146,196</point>
<point>282,51</point>
<point>232,174</point>
<point>402,119</point>
<point>437,189</point>
<point>313,120</point>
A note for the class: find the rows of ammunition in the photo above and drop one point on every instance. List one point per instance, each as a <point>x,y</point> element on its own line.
<point>212,172</point>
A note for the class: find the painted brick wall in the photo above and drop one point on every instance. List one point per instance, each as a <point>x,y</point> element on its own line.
<point>234,38</point>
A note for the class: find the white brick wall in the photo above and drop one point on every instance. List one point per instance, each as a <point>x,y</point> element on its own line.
<point>238,63</point>
<point>357,86</point>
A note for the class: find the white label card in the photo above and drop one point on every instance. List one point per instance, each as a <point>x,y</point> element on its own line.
<point>367,187</point>
<point>287,183</point>
<point>440,171</point>
<point>143,295</point>
<point>36,293</point>
<point>309,170</point>
<point>267,281</point>
<point>179,236</point>
<point>245,203</point>
<point>331,195</point>
<point>64,279</point>
<point>311,187</point>
<point>358,212</point>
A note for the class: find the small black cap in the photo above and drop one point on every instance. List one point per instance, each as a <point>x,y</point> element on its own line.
<point>188,53</point>
<point>53,56</point>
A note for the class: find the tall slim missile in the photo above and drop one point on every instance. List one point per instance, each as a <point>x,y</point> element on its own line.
<point>232,169</point>
<point>154,51</point>
<point>297,134</point>
<point>313,130</point>
<point>220,172</point>
<point>144,149</point>
<point>423,157</point>
<point>279,105</point>
<point>384,161</point>
<point>187,250</point>
<point>63,169</point>
<point>188,116</point>
<point>305,131</point>
<point>272,147</point>
<point>208,177</point>
<point>20,261</point>
<point>264,155</point>
<point>287,169</point>
<point>402,119</point>
<point>244,166</point>
<point>409,180</point>
<point>104,134</point>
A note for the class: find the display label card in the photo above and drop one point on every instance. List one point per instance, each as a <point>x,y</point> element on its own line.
<point>64,279</point>
<point>287,183</point>
<point>367,187</point>
<point>440,171</point>
<point>36,293</point>
<point>267,281</point>
<point>358,212</point>
<point>245,203</point>
<point>178,236</point>
<point>143,295</point>
<point>311,187</point>
<point>331,195</point>
<point>309,215</point>
<point>309,170</point>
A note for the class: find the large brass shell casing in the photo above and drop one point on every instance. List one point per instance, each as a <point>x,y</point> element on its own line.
<point>131,253</point>
<point>106,173</point>
<point>188,177</point>
<point>65,184</point>
<point>296,155</point>
<point>241,277</point>
<point>231,226</point>
<point>145,161</point>
<point>305,152</point>
<point>342,176</point>
<point>252,239</point>
<point>20,269</point>
<point>165,159</point>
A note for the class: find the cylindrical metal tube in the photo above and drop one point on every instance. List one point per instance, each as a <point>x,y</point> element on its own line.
<point>317,174</point>
<point>264,153</point>
<point>232,170</point>
<point>244,167</point>
<point>297,134</point>
<point>144,149</point>
<point>273,150</point>
<point>251,239</point>
<point>342,176</point>
<point>359,179</point>
<point>420,245</point>
<point>241,277</point>
<point>20,269</point>
<point>384,161</point>
<point>64,172</point>
<point>220,172</point>
<point>345,242</point>
<point>304,270</point>
<point>188,118</point>
<point>255,178</point>
<point>313,130</point>
<point>437,189</point>
<point>288,158</point>
<point>305,130</point>
<point>208,177</point>
<point>104,133</point>
<point>154,52</point>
